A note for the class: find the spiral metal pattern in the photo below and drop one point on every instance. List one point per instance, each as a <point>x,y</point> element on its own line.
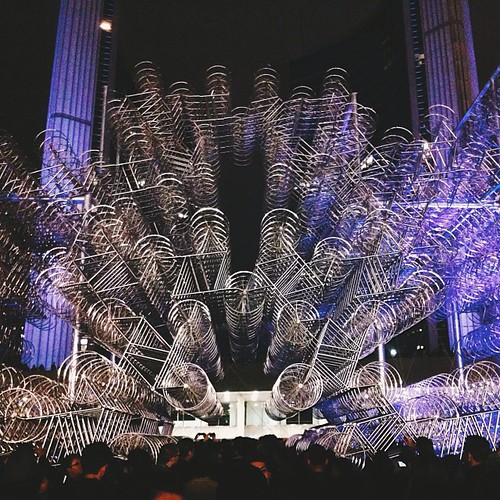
<point>244,302</point>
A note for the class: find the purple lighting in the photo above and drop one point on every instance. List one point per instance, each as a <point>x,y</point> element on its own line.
<point>358,243</point>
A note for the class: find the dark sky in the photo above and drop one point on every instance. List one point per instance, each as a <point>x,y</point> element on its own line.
<point>485,16</point>
<point>27,40</point>
<point>185,37</point>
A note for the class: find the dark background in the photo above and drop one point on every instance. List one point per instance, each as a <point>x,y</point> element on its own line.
<point>299,38</point>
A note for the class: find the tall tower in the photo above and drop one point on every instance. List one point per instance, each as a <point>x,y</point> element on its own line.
<point>442,71</point>
<point>441,60</point>
<point>83,72</point>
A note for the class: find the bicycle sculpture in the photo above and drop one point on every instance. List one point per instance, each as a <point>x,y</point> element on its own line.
<point>358,243</point>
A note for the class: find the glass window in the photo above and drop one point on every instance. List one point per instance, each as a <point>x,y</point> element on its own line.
<point>303,417</point>
<point>225,419</point>
<point>255,414</point>
<point>181,416</point>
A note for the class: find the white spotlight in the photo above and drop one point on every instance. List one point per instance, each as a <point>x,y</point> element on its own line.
<point>105,25</point>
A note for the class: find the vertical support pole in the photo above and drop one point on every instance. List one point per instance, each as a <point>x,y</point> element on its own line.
<point>240,416</point>
<point>102,136</point>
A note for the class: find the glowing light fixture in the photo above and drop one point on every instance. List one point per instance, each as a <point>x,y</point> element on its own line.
<point>105,25</point>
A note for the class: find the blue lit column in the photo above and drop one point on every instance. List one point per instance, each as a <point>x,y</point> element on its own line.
<point>442,70</point>
<point>452,81</point>
<point>449,54</point>
<point>80,77</point>
<point>72,93</point>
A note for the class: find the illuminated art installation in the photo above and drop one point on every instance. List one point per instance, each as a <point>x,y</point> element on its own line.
<point>358,243</point>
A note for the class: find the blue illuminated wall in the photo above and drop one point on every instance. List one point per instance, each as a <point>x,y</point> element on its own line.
<point>81,58</point>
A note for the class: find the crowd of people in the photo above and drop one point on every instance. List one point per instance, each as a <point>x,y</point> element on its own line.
<point>249,468</point>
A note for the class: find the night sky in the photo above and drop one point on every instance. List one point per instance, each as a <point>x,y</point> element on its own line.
<point>185,37</point>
